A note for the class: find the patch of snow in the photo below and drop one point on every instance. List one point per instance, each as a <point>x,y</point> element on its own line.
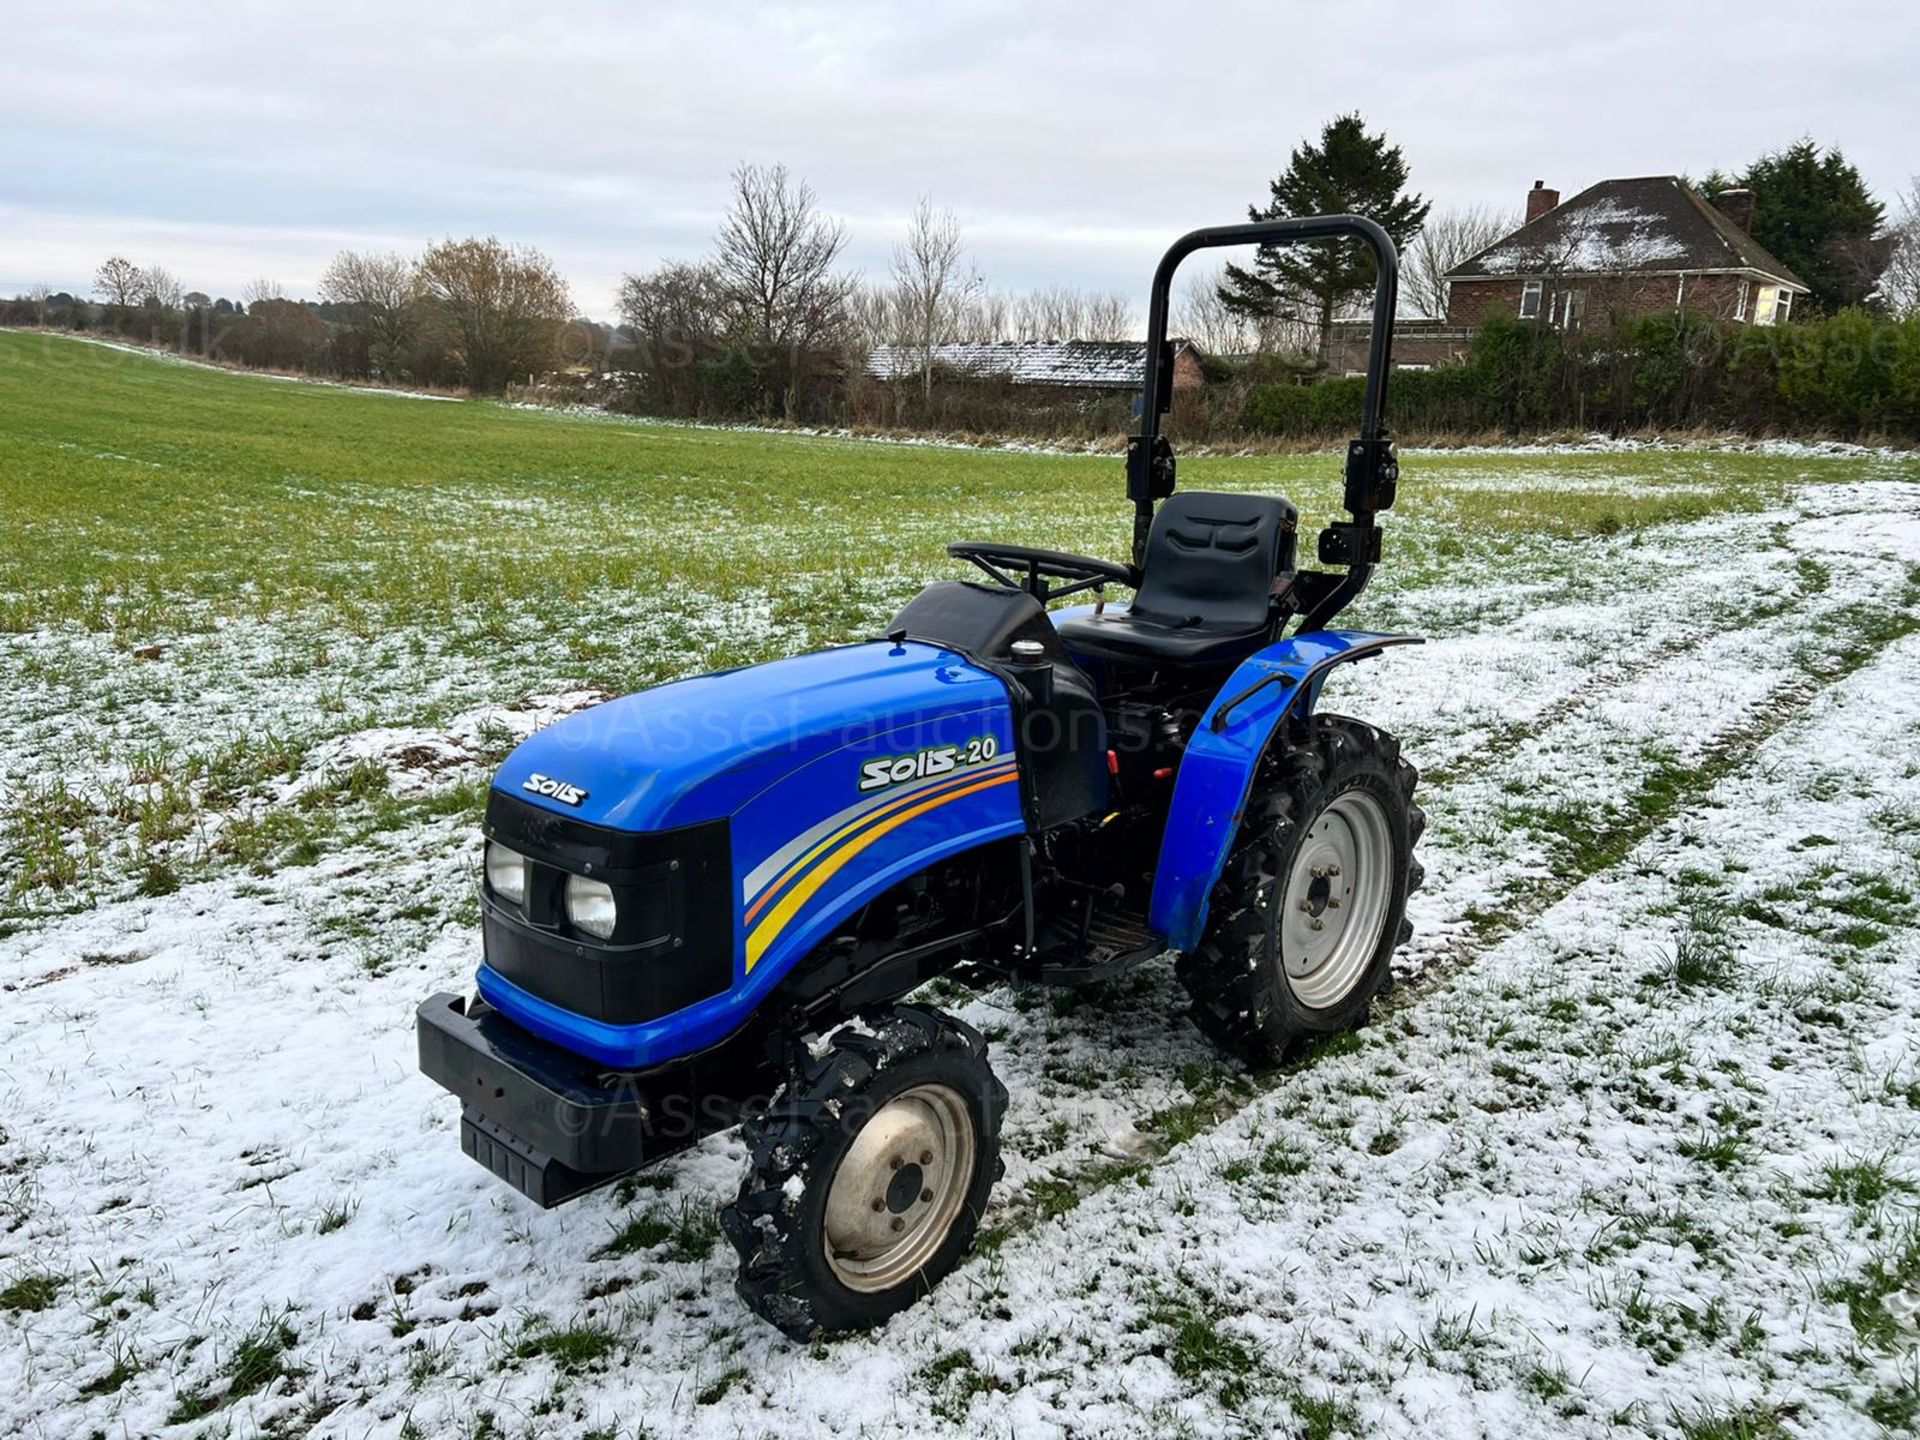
<point>1487,1191</point>
<point>174,357</point>
<point>1603,237</point>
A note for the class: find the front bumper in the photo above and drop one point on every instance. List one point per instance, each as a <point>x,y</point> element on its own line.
<point>542,1118</point>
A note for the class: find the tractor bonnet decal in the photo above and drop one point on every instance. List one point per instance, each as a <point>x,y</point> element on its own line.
<point>554,789</point>
<point>789,877</point>
<point>926,764</point>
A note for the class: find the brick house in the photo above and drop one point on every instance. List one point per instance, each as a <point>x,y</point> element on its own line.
<point>1626,247</point>
<point>1048,364</point>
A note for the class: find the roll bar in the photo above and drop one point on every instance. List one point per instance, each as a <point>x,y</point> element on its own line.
<point>1372,468</point>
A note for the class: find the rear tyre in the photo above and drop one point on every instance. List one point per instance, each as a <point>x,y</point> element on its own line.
<point>868,1174</point>
<point>1312,902</point>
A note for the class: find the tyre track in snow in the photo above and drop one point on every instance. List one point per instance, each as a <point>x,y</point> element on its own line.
<point>1453,926</point>
<point>1079,1070</point>
<point>1502,1221</point>
<point>684,1313</point>
<point>1051,1259</point>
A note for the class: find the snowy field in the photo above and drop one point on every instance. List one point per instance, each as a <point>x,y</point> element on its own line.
<point>1632,1148</point>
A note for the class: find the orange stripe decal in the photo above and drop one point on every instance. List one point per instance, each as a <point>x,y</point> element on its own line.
<point>865,817</point>
<point>769,929</point>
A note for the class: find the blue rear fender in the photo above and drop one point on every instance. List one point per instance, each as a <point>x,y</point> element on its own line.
<point>1217,770</point>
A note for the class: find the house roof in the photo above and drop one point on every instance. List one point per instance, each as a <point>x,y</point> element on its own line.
<point>1085,364</point>
<point>1654,224</point>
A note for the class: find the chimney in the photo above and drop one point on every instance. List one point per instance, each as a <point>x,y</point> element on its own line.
<point>1737,206</point>
<point>1540,200</point>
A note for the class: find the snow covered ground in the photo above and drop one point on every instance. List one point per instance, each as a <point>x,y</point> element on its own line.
<point>1634,1147</point>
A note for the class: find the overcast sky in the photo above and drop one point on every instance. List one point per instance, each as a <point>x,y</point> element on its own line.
<point>226,140</point>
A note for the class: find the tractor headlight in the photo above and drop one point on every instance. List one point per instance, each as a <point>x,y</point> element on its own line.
<point>507,873</point>
<point>590,906</point>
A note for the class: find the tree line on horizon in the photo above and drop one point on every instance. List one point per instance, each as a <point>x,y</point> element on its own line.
<point>771,323</point>
<point>473,313</point>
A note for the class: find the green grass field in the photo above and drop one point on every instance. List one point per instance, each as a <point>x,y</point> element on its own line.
<point>149,499</point>
<point>312,561</point>
<point>1629,1149</point>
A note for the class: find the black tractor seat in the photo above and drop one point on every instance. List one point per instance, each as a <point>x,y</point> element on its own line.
<point>1206,589</point>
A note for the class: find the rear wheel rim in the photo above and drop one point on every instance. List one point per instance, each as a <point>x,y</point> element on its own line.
<point>899,1188</point>
<point>1334,906</point>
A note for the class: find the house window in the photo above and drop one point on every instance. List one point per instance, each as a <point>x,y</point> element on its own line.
<point>1783,307</point>
<point>1740,300</point>
<point>1772,306</point>
<point>1565,309</point>
<point>1530,299</point>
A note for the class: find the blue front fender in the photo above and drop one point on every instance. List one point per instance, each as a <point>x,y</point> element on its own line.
<point>1218,768</point>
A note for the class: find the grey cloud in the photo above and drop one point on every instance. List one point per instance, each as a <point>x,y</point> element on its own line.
<point>1072,138</point>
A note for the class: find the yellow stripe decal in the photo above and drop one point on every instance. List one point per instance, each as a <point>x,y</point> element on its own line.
<point>862,818</point>
<point>769,929</point>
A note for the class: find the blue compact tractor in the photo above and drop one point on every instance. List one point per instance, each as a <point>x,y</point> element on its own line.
<point>704,904</point>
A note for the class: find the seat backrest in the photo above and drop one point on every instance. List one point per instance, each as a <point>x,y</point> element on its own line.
<point>1213,558</point>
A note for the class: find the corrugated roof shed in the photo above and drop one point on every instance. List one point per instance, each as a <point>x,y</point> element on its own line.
<point>1079,364</point>
<point>1651,224</point>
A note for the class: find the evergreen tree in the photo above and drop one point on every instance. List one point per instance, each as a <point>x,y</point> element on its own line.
<point>1349,172</point>
<point>1816,216</point>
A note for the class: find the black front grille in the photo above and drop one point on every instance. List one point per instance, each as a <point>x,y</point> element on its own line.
<point>673,942</point>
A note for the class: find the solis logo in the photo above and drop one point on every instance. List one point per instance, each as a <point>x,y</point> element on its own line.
<point>921,764</point>
<point>554,789</point>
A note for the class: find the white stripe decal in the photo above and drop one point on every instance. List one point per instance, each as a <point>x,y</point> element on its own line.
<point>763,874</point>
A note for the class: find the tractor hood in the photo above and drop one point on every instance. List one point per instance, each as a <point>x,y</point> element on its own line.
<point>700,749</point>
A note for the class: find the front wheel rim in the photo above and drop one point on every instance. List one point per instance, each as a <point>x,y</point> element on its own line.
<point>899,1188</point>
<point>1334,906</point>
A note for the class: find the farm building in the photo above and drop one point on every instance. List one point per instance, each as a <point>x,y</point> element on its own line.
<point>1626,247</point>
<point>1418,344</point>
<point>1050,364</point>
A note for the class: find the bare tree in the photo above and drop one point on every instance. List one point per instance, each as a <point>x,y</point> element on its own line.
<point>118,281</point>
<point>776,259</point>
<point>1206,319</point>
<point>503,307</point>
<point>1041,314</point>
<point>1900,282</point>
<point>261,288</point>
<point>1447,239</point>
<point>1109,316</point>
<point>159,289</point>
<point>1050,313</point>
<point>985,316</point>
<point>677,314</point>
<point>675,301</point>
<point>1059,312</point>
<point>40,295</point>
<point>931,283</point>
<point>383,289</point>
<point>873,318</point>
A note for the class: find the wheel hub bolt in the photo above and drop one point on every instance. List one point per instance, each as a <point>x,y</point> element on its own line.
<point>895,1163</point>
<point>898,1223</point>
<point>1333,871</point>
<point>926,1157</point>
<point>1307,906</point>
<point>1319,924</point>
<point>926,1197</point>
<point>1332,904</point>
<point>1319,872</point>
<point>878,1204</point>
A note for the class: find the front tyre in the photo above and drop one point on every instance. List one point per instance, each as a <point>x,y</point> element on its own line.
<point>1312,902</point>
<point>868,1173</point>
